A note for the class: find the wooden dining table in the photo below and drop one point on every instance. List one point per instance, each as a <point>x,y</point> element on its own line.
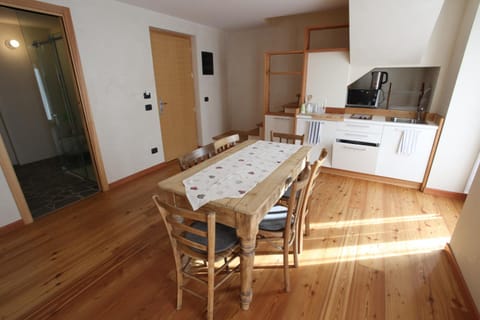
<point>245,213</point>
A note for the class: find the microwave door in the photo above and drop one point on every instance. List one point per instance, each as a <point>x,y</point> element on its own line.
<point>362,98</point>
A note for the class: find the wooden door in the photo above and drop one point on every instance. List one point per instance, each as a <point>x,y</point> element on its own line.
<point>172,62</point>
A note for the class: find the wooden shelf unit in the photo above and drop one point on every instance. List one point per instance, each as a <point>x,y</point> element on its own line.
<point>268,73</point>
<point>303,73</point>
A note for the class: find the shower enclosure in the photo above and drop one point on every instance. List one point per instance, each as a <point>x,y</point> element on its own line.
<point>54,76</point>
<point>53,125</point>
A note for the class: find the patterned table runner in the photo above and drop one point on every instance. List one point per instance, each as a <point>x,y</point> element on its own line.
<point>238,173</point>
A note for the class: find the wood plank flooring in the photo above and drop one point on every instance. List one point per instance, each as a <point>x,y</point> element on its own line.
<point>375,252</point>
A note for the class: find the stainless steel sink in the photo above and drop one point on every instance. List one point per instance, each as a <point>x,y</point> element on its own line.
<point>405,120</point>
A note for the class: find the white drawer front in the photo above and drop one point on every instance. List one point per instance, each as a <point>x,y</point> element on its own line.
<point>360,127</point>
<point>354,157</point>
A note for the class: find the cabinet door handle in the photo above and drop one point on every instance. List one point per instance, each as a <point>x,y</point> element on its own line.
<point>357,126</point>
<point>356,135</point>
<point>353,148</point>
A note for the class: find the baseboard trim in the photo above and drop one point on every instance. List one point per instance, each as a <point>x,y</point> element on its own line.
<point>140,174</point>
<point>371,177</point>
<point>457,273</point>
<point>446,194</point>
<point>11,227</point>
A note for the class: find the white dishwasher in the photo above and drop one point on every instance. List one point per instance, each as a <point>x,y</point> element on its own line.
<point>356,146</point>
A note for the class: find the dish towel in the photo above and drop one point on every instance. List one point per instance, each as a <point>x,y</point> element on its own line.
<point>408,142</point>
<point>314,132</point>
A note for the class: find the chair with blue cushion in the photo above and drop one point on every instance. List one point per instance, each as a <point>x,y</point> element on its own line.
<point>280,225</point>
<point>198,243</point>
<point>304,223</point>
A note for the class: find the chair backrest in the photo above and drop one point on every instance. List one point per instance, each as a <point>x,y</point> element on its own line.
<point>296,202</point>
<point>196,156</point>
<point>178,221</point>
<point>314,173</point>
<point>225,143</point>
<point>287,137</point>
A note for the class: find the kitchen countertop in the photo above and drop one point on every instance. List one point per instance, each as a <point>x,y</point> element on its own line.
<point>376,119</point>
<point>382,120</point>
<point>321,116</point>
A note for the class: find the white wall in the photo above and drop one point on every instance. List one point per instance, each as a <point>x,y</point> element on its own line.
<point>465,240</point>
<point>391,32</point>
<point>114,45</point>
<point>445,49</point>
<point>327,75</point>
<point>460,141</point>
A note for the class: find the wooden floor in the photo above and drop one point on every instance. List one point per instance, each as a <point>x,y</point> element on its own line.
<point>375,253</point>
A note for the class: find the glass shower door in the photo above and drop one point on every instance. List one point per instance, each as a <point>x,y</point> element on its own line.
<point>52,66</point>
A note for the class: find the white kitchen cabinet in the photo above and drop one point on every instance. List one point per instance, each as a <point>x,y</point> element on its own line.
<point>327,78</point>
<point>354,157</point>
<point>356,146</point>
<point>327,137</point>
<point>394,164</point>
<point>282,124</point>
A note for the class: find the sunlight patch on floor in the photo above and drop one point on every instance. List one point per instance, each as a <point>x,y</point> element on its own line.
<point>374,221</point>
<point>371,251</point>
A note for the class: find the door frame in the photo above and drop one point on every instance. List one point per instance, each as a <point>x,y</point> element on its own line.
<point>195,84</point>
<point>85,108</point>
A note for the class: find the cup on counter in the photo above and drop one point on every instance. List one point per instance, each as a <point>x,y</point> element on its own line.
<point>309,107</point>
<point>319,109</point>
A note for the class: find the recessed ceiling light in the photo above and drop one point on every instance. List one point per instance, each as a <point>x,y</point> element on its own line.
<point>12,44</point>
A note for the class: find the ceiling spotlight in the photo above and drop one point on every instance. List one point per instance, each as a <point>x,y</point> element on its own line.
<point>12,44</point>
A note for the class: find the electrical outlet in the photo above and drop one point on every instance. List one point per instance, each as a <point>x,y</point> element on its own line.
<point>154,150</point>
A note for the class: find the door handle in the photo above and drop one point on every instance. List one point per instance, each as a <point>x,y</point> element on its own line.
<point>161,105</point>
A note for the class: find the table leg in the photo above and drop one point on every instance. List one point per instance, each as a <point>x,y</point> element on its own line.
<point>247,232</point>
<point>246,271</point>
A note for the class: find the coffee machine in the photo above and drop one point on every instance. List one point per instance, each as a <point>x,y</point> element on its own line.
<point>379,78</point>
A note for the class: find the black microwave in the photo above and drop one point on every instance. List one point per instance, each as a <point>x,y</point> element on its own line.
<point>366,98</point>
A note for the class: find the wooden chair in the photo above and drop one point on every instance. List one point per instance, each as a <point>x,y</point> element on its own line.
<point>196,156</point>
<point>195,237</point>
<point>225,143</point>
<point>304,224</point>
<point>281,225</point>
<point>287,137</point>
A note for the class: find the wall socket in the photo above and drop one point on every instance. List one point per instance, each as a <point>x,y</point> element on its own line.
<point>154,150</point>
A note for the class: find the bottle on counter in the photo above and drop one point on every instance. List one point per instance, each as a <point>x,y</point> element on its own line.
<point>302,108</point>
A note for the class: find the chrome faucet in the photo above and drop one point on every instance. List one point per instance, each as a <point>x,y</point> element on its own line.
<point>421,105</point>
<point>420,113</point>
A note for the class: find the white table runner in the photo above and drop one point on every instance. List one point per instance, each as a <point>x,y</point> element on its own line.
<point>238,173</point>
